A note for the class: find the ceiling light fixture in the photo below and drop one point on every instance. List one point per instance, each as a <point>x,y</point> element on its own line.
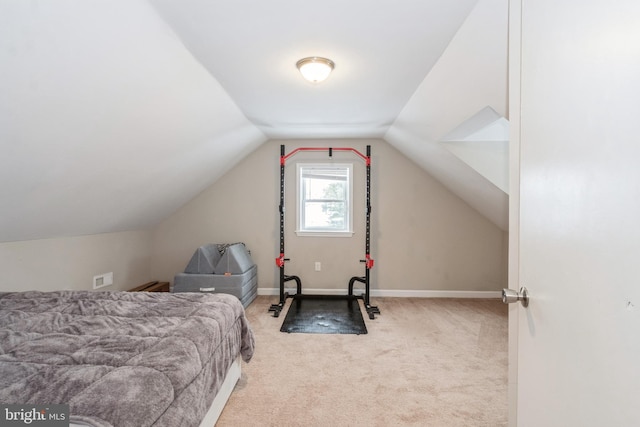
<point>315,69</point>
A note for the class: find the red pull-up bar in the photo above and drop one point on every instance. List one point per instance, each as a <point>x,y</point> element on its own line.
<point>366,159</point>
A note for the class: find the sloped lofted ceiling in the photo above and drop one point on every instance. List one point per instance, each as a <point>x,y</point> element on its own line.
<point>113,114</point>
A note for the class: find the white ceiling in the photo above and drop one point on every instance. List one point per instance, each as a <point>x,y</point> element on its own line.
<point>114,113</point>
<point>382,51</point>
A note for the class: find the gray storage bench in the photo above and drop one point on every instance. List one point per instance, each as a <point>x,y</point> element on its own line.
<point>220,268</point>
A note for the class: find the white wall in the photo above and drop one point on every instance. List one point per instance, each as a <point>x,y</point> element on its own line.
<point>107,121</point>
<point>71,262</point>
<point>423,236</point>
<point>470,76</point>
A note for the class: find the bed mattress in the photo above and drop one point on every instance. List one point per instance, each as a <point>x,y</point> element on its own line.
<point>120,358</point>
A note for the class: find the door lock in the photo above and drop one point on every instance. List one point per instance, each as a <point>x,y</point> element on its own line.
<point>509,296</point>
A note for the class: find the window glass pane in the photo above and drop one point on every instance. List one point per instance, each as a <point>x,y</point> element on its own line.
<point>324,215</point>
<point>324,189</point>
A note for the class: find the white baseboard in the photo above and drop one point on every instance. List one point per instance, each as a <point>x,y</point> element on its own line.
<point>391,293</point>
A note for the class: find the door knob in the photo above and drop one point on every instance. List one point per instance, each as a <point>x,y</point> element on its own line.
<point>509,296</point>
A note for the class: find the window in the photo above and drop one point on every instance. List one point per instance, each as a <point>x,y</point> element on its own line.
<point>324,199</point>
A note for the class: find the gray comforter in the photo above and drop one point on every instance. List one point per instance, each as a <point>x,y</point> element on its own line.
<point>120,358</point>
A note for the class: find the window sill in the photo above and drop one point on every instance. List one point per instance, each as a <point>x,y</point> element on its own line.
<point>324,233</point>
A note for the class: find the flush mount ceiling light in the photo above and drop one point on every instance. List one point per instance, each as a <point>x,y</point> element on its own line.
<point>314,68</point>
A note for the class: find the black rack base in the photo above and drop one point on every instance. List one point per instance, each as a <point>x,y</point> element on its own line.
<point>277,308</point>
<point>372,310</point>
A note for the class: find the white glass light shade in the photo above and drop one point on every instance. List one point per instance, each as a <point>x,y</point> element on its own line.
<point>315,69</point>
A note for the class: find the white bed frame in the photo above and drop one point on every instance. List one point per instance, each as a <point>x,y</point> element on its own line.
<point>212,415</point>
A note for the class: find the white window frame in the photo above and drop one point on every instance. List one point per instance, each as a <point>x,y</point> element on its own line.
<point>300,230</point>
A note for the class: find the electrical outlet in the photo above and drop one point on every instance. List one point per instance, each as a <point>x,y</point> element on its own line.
<point>102,280</point>
<point>318,266</point>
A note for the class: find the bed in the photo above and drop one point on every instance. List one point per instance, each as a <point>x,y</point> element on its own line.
<point>123,358</point>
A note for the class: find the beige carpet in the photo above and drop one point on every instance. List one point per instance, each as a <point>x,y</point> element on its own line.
<point>424,362</point>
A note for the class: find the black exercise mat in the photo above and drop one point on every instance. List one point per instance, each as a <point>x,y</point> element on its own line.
<point>324,314</point>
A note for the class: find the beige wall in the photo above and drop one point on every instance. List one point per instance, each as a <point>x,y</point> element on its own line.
<point>71,262</point>
<point>423,236</point>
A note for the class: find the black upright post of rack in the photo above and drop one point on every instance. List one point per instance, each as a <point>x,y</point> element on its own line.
<point>280,261</point>
<point>368,262</point>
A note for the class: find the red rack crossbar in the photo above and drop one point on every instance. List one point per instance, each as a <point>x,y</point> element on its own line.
<point>283,159</point>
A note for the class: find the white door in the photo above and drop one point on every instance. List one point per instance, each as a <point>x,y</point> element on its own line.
<point>578,341</point>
